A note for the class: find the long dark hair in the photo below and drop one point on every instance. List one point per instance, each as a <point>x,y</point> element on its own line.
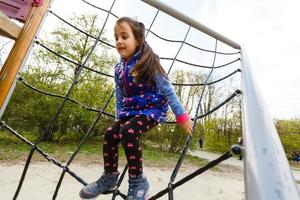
<point>149,64</point>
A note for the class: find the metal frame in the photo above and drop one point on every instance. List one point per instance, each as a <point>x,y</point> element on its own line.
<point>174,13</point>
<point>267,172</point>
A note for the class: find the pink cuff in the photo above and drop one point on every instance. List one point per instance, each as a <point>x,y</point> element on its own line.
<point>182,118</point>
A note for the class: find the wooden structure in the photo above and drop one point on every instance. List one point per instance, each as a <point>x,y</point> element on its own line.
<point>31,13</point>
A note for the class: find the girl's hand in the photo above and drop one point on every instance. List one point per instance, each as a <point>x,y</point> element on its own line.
<point>187,126</point>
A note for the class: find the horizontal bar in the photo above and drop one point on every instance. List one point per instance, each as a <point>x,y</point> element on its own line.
<point>174,13</point>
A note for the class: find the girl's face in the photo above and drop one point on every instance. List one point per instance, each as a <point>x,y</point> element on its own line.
<point>126,43</point>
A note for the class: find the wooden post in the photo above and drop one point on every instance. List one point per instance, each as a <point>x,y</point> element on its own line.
<point>8,28</point>
<point>18,53</point>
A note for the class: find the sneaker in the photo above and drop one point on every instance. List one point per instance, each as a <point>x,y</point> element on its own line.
<point>107,182</point>
<point>138,188</point>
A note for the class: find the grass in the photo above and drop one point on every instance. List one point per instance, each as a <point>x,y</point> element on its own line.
<point>12,149</point>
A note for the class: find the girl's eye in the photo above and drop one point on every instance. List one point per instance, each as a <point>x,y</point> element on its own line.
<point>121,37</point>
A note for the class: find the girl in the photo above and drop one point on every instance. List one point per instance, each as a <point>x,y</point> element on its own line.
<point>143,93</point>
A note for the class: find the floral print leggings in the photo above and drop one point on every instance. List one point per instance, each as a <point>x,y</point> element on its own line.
<point>127,132</point>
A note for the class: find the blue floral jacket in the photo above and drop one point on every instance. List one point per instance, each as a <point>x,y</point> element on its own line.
<point>144,98</point>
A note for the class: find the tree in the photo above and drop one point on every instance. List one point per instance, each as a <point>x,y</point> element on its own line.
<point>289,132</point>
<point>222,131</point>
<point>170,137</point>
<point>48,72</point>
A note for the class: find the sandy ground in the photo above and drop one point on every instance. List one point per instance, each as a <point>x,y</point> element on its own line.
<point>225,182</point>
<point>40,183</point>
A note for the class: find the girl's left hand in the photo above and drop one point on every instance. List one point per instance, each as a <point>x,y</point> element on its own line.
<point>187,126</point>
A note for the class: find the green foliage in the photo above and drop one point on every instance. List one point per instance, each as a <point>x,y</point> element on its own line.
<point>90,152</point>
<point>223,131</point>
<point>31,111</point>
<point>219,139</point>
<point>289,133</point>
<point>167,137</point>
<point>189,96</point>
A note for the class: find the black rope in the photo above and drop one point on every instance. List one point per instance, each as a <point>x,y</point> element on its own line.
<point>100,8</point>
<point>90,130</point>
<point>148,30</point>
<point>110,45</point>
<point>217,52</point>
<point>75,80</point>
<point>43,153</point>
<point>165,39</point>
<point>71,61</point>
<point>28,160</point>
<point>111,76</point>
<point>111,115</point>
<point>62,97</point>
<point>201,66</point>
<point>163,58</point>
<point>209,165</point>
<point>168,40</point>
<point>117,192</point>
<point>80,30</point>
<point>59,109</point>
<point>182,43</point>
<point>209,83</point>
<point>189,139</point>
<point>237,92</point>
<point>153,20</point>
<point>201,49</point>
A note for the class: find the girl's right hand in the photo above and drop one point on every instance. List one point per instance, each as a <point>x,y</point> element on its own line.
<point>187,126</point>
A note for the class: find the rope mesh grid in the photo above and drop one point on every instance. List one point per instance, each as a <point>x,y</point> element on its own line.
<point>178,58</point>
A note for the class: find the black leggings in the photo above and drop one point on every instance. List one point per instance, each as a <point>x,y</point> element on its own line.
<point>128,132</point>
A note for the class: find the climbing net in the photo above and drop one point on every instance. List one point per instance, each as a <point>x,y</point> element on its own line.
<point>178,52</point>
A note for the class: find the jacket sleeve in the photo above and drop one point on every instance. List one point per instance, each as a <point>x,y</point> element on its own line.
<point>166,88</point>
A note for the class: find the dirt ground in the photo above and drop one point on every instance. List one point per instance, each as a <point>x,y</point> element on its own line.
<point>223,183</point>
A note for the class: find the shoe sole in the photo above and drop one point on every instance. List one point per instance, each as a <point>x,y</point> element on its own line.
<point>106,192</point>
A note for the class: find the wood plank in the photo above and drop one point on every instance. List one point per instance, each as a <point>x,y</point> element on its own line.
<point>8,27</point>
<point>18,53</point>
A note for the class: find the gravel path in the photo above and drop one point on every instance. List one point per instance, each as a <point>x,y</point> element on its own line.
<point>233,161</point>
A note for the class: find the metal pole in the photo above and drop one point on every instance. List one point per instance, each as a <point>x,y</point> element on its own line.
<point>174,13</point>
<point>267,172</point>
